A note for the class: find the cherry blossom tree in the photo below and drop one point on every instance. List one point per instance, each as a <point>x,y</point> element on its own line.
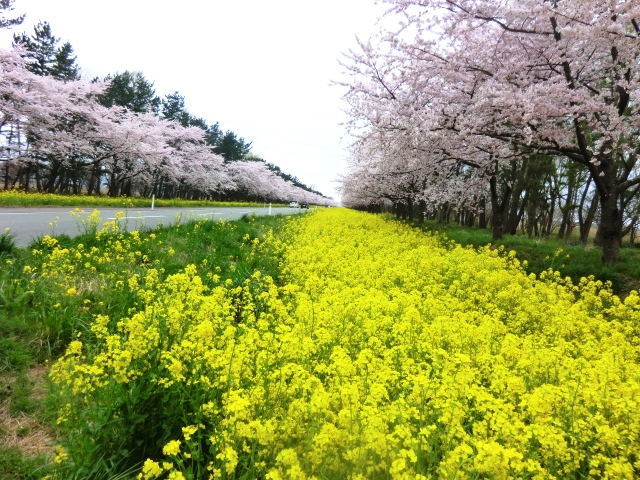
<point>65,136</point>
<point>254,180</point>
<point>59,128</point>
<point>485,84</point>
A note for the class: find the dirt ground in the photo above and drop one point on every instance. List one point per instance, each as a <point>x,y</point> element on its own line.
<point>24,431</point>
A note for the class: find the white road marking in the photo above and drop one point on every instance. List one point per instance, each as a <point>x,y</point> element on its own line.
<point>134,218</point>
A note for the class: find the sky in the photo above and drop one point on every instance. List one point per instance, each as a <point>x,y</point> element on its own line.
<point>260,68</point>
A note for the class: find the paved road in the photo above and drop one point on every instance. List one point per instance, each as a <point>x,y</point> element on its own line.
<point>27,224</point>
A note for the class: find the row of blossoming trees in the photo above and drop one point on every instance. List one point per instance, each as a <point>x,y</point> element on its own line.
<point>56,136</point>
<point>518,106</point>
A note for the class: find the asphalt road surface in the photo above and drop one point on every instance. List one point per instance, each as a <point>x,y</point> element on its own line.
<point>28,224</point>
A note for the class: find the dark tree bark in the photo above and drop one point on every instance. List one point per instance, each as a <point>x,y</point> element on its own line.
<point>482,217</point>
<point>498,208</point>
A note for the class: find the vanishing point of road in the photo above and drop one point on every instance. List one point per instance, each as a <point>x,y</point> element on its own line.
<point>30,223</point>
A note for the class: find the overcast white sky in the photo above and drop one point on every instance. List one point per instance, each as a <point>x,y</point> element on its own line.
<point>260,68</point>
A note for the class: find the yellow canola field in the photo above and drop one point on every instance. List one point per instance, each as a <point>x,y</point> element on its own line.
<point>385,355</point>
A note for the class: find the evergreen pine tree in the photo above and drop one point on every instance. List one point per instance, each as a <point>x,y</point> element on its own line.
<point>173,107</point>
<point>214,134</point>
<point>132,91</point>
<point>232,148</point>
<point>8,22</point>
<point>65,67</point>
<point>42,55</point>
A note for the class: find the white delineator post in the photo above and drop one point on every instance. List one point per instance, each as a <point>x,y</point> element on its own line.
<point>153,201</point>
<point>269,208</point>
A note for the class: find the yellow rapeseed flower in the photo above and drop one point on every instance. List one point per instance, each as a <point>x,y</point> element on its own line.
<point>380,352</point>
<point>172,448</point>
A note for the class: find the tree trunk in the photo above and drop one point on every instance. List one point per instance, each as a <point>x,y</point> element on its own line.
<point>566,213</point>
<point>16,179</point>
<point>443,215</point>
<point>471,219</point>
<point>610,228</point>
<point>127,188</point>
<point>512,222</point>
<point>94,180</point>
<point>585,226</point>
<point>584,223</point>
<point>6,176</point>
<point>482,217</point>
<point>27,178</point>
<point>546,231</point>
<point>517,208</point>
<point>498,208</point>
<point>38,180</point>
<point>113,185</point>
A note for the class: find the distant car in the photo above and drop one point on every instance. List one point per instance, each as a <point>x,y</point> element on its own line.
<point>293,204</point>
<point>304,205</point>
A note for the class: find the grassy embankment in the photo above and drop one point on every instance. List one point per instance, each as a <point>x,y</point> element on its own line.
<point>13,198</point>
<point>38,318</point>
<point>361,348</point>
<point>567,256</point>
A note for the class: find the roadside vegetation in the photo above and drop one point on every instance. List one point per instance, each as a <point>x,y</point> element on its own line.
<point>40,313</point>
<point>332,345</point>
<point>566,255</point>
<point>17,198</point>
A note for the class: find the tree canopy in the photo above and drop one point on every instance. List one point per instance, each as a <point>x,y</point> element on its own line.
<point>5,7</point>
<point>451,107</point>
<point>132,91</point>
<point>62,134</point>
<point>44,56</point>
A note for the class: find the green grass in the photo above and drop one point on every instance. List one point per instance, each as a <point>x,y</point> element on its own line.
<point>21,396</point>
<point>7,243</point>
<point>14,355</point>
<point>37,323</point>
<point>33,327</point>
<point>13,198</point>
<point>575,261</point>
<point>16,466</point>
